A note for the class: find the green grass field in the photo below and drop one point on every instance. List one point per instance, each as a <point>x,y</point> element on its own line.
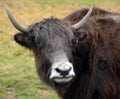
<point>18,77</point>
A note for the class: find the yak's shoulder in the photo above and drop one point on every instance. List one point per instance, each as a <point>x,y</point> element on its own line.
<point>79,14</point>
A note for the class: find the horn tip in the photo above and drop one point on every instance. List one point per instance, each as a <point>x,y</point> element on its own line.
<point>5,6</point>
<point>92,6</point>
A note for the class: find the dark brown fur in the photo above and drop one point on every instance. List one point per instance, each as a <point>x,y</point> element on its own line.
<point>103,42</point>
<point>96,58</point>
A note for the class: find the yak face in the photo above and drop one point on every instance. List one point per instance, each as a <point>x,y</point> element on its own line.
<point>51,41</point>
<point>51,38</point>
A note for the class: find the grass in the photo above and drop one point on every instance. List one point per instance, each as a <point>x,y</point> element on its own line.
<point>18,77</point>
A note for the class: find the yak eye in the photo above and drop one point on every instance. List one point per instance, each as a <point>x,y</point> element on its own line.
<point>39,44</point>
<point>74,42</point>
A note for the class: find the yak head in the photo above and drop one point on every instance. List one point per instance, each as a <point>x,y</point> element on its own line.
<point>51,41</point>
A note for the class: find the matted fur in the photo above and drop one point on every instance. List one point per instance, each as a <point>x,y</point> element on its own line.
<point>96,58</point>
<point>100,56</point>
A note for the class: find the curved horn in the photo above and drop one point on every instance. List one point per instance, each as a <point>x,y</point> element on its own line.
<point>14,22</point>
<point>85,18</point>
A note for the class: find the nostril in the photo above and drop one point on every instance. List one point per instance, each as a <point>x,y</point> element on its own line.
<point>58,70</point>
<point>63,72</point>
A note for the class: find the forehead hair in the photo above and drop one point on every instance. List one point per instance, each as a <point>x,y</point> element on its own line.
<point>52,27</point>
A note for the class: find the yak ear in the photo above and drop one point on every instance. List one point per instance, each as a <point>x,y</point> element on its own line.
<point>24,40</point>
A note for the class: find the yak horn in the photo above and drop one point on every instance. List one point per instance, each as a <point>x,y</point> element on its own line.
<point>85,18</point>
<point>14,22</point>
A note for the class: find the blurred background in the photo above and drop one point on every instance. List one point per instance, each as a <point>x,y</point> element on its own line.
<point>18,77</point>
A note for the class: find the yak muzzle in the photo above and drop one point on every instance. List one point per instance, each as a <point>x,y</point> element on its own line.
<point>62,72</point>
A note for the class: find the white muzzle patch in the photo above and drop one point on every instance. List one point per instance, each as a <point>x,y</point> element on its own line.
<point>62,72</point>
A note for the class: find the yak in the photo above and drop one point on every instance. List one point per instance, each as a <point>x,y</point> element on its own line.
<point>79,55</point>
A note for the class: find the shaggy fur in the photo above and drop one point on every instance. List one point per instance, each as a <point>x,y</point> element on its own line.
<point>96,58</point>
<point>100,77</point>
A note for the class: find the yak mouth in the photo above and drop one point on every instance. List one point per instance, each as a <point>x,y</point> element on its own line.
<point>63,79</point>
